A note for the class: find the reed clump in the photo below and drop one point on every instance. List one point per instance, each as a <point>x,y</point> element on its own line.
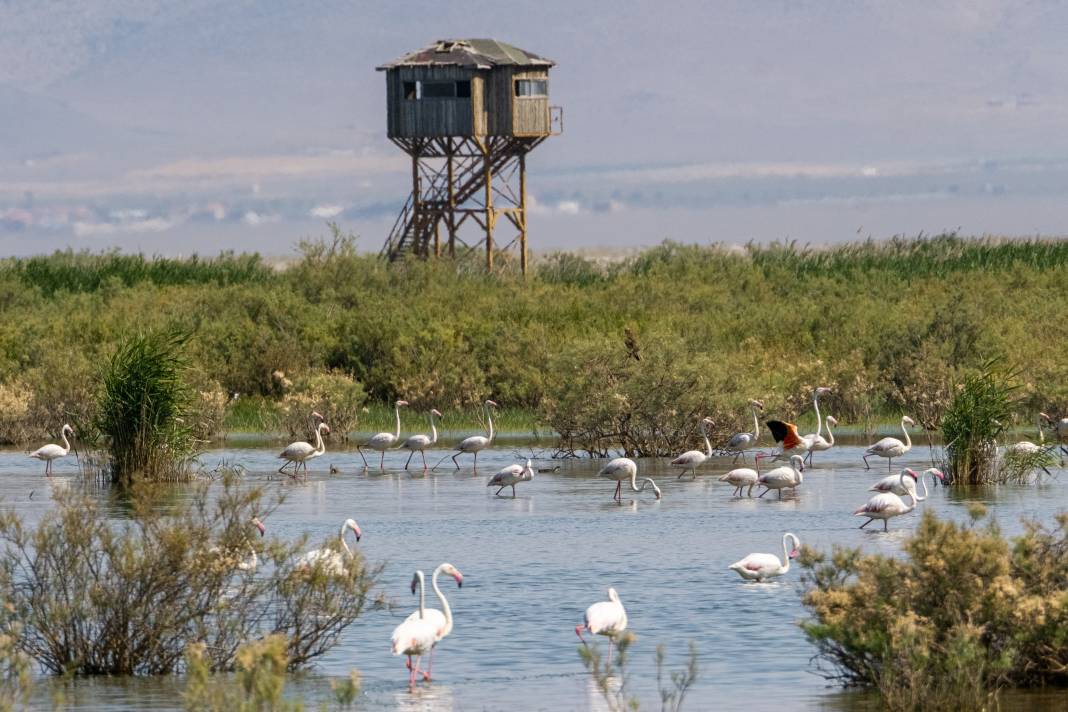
<point>611,674</point>
<point>965,613</point>
<point>90,595</point>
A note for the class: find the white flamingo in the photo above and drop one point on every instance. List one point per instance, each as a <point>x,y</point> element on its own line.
<point>740,442</point>
<point>891,447</point>
<point>1028,449</point>
<point>415,636</point>
<point>785,477</point>
<point>886,505</point>
<point>817,443</point>
<point>51,451</point>
<point>692,459</point>
<point>742,477</point>
<point>383,441</point>
<point>623,468</point>
<point>1059,428</point>
<point>251,562</point>
<point>299,453</point>
<point>607,618</point>
<point>511,476</point>
<point>476,443</point>
<point>892,483</point>
<point>758,567</point>
<point>810,438</point>
<point>419,443</point>
<point>332,562</point>
<point>440,620</point>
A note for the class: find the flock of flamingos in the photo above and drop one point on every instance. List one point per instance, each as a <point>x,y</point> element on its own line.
<point>421,631</point>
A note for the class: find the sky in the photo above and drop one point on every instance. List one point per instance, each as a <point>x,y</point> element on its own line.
<point>201,125</point>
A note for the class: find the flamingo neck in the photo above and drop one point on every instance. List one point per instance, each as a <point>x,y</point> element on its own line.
<point>830,435</point>
<point>704,434</point>
<point>320,446</point>
<point>344,544</point>
<point>422,593</point>
<point>433,430</point>
<point>66,443</point>
<point>819,418</point>
<point>908,440</point>
<point>923,483</point>
<point>489,419</point>
<point>444,603</point>
<point>396,411</point>
<point>1041,435</point>
<point>785,554</point>
<point>756,425</point>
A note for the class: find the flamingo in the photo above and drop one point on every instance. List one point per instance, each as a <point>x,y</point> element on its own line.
<point>51,451</point>
<point>785,477</point>
<point>299,453</point>
<point>415,635</point>
<point>476,443</point>
<point>419,443</point>
<point>691,459</point>
<point>252,561</point>
<point>1059,427</point>
<point>811,437</point>
<point>890,447</point>
<point>739,442</point>
<point>887,504</point>
<point>383,441</point>
<point>511,476</point>
<point>441,622</point>
<point>1027,449</point>
<point>758,567</point>
<point>619,470</point>
<point>743,477</point>
<point>892,483</point>
<point>333,562</point>
<point>790,443</point>
<point>607,618</point>
<point>817,443</point>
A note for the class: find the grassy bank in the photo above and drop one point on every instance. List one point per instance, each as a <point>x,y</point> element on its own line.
<point>888,325</point>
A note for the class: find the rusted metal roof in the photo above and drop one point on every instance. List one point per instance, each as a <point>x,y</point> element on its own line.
<point>477,54</point>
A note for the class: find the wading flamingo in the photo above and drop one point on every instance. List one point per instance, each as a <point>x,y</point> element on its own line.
<point>758,567</point>
<point>511,476</point>
<point>740,442</point>
<point>623,468</point>
<point>419,443</point>
<point>299,453</point>
<point>892,483</point>
<point>887,504</point>
<point>607,618</point>
<point>743,477</point>
<point>415,635</point>
<point>1059,428</point>
<point>383,441</point>
<point>812,437</point>
<point>51,451</point>
<point>440,621</point>
<point>476,443</point>
<point>817,443</point>
<point>891,447</point>
<point>785,477</point>
<point>692,459</point>
<point>249,563</point>
<point>790,443</point>
<point>332,561</point>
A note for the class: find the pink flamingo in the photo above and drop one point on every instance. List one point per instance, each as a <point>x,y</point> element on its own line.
<point>607,618</point>
<point>383,441</point>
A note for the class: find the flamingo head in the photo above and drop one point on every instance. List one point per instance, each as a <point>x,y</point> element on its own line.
<point>757,404</point>
<point>325,428</point>
<point>796,552</point>
<point>401,402</point>
<point>318,416</point>
<point>493,403</point>
<point>416,577</point>
<point>798,462</point>
<point>708,421</point>
<point>656,490</point>
<point>936,473</point>
<point>351,524</point>
<point>832,420</point>
<point>68,429</point>
<point>455,573</point>
<point>821,391</point>
<point>435,411</point>
<point>911,473</point>
<point>908,421</point>
<point>259,525</point>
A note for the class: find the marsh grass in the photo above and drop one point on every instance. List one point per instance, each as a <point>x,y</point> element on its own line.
<point>144,408</point>
<point>964,614</point>
<point>611,675</point>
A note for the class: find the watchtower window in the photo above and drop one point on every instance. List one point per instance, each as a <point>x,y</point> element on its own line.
<point>463,89</point>
<point>439,90</point>
<point>410,91</point>
<point>531,87</point>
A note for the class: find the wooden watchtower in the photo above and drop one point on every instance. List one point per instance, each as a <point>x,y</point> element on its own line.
<point>467,112</point>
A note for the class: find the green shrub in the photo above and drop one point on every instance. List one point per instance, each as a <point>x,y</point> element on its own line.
<point>963,614</point>
<point>611,675</point>
<point>336,396</point>
<point>971,424</point>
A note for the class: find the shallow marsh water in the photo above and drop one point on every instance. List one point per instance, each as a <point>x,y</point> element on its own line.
<point>533,564</point>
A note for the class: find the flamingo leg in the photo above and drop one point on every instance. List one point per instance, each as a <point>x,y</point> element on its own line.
<point>761,495</point>
<point>751,490</point>
<point>780,493</point>
<point>430,667</point>
<point>498,492</point>
<point>423,454</point>
<point>890,465</point>
<point>475,464</point>
<point>382,461</point>
<point>866,523</point>
<point>619,489</point>
<point>281,470</point>
<point>360,450</point>
<point>513,491</point>
<point>411,673</point>
<point>866,465</point>
<point>886,522</point>
<point>454,459</point>
<point>609,658</point>
<point>409,460</point>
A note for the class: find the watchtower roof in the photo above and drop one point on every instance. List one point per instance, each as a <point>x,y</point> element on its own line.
<point>476,54</point>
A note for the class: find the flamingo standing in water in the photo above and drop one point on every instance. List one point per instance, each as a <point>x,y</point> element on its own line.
<point>886,505</point>
<point>383,441</point>
<point>758,567</point>
<point>415,636</point>
<point>299,453</point>
<point>742,477</point>
<point>476,443</point>
<point>692,459</point>
<point>813,437</point>
<point>419,443</point>
<point>511,476</point>
<point>740,442</point>
<point>785,477</point>
<point>441,621</point>
<point>1059,427</point>
<point>892,483</point>
<point>51,451</point>
<point>333,562</point>
<point>607,618</point>
<point>622,468</point>
<point>891,447</point>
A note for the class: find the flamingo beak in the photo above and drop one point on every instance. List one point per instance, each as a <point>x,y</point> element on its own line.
<point>493,403</point>
<point>259,525</point>
<point>356,531</point>
<point>414,581</point>
<point>795,553</point>
<point>459,579</point>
